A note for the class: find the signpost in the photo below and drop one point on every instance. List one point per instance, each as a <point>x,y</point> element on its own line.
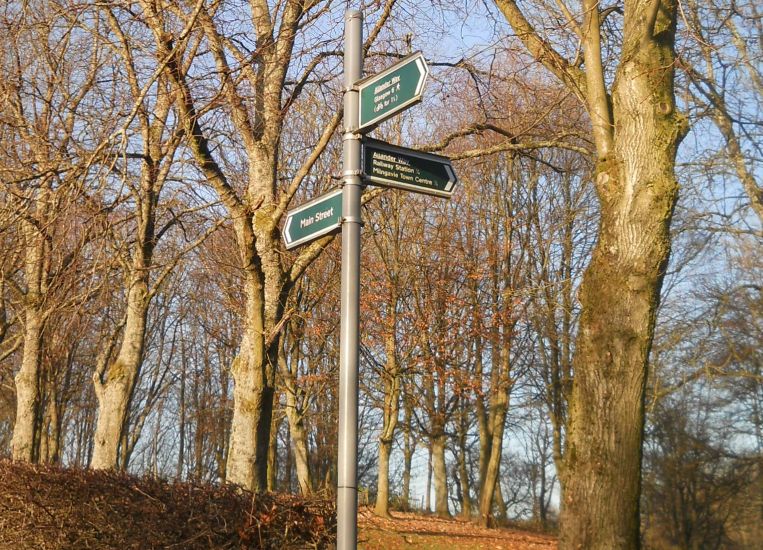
<point>313,219</point>
<point>393,90</point>
<point>349,325</point>
<point>367,103</point>
<point>391,166</point>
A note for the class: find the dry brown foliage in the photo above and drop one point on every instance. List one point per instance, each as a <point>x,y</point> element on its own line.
<point>409,530</point>
<point>46,507</point>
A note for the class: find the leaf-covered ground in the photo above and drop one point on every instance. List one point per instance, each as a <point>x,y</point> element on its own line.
<point>408,530</point>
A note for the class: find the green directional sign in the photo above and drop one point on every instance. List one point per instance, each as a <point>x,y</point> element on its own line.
<point>391,166</point>
<point>391,91</point>
<point>313,219</point>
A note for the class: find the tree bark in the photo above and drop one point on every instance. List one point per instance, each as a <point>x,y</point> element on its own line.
<point>500,408</point>
<point>182,428</point>
<point>273,452</point>
<point>428,495</point>
<point>252,413</point>
<point>27,389</point>
<point>636,131</point>
<point>28,377</point>
<point>440,475</point>
<point>391,381</point>
<point>409,447</point>
<point>299,442</point>
<point>115,391</point>
<point>463,473</point>
<point>620,294</point>
<point>382,490</point>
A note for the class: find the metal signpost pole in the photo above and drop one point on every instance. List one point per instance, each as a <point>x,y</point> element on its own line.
<point>347,484</point>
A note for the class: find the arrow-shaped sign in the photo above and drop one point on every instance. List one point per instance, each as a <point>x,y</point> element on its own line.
<point>313,219</point>
<point>391,91</point>
<point>391,166</point>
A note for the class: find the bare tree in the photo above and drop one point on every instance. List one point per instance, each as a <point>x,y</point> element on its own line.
<point>252,79</point>
<point>387,322</point>
<point>144,177</point>
<point>626,82</point>
<point>725,84</point>
<point>50,74</point>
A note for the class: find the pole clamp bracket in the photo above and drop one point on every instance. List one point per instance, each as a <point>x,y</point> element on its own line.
<point>350,173</point>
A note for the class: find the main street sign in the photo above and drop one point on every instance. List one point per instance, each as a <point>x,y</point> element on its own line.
<point>313,219</point>
<point>391,166</point>
<point>391,91</point>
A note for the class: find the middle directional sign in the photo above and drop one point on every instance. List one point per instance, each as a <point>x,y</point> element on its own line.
<point>313,219</point>
<point>392,166</point>
<point>391,91</point>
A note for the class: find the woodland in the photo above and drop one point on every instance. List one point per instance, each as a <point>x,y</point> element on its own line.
<point>574,339</point>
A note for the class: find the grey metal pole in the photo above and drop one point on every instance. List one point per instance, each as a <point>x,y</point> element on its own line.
<point>347,482</point>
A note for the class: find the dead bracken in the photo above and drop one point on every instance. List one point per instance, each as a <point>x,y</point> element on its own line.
<point>48,507</point>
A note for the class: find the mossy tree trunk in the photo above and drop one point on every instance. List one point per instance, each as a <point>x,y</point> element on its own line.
<point>636,130</point>
<point>114,387</point>
<point>116,374</point>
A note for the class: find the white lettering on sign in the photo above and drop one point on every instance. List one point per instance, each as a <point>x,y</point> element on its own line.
<point>382,156</point>
<point>325,214</point>
<point>386,84</point>
<point>383,97</point>
<point>322,215</point>
<point>398,168</point>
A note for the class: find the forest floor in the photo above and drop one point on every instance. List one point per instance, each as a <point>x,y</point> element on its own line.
<point>53,508</point>
<point>408,530</point>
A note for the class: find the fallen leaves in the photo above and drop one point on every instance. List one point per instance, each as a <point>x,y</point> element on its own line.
<point>407,530</point>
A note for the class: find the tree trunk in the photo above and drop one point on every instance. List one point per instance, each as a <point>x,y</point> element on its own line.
<point>636,131</point>
<point>428,495</point>
<point>440,475</point>
<point>391,380</point>
<point>466,501</point>
<point>273,452</point>
<point>28,377</point>
<point>221,424</point>
<point>287,462</point>
<point>50,436</point>
<point>27,389</point>
<point>247,463</point>
<point>115,391</point>
<point>299,442</point>
<point>542,507</point>
<point>382,490</point>
<point>500,503</point>
<point>620,293</point>
<point>409,447</point>
<point>500,408</point>
<point>463,473</point>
